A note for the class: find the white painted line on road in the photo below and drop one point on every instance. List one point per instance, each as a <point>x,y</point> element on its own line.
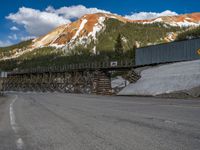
<point>20,143</point>
<point>15,128</point>
<point>12,116</point>
<point>170,122</point>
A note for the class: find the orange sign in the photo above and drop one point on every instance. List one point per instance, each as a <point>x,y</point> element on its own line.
<point>198,51</point>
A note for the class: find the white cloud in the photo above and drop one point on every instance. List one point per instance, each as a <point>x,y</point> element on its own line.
<point>5,43</point>
<point>13,37</point>
<point>74,11</point>
<point>150,15</point>
<point>14,28</point>
<point>25,38</point>
<point>38,22</point>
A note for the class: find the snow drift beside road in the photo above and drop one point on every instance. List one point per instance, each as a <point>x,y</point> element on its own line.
<point>119,82</point>
<point>166,79</point>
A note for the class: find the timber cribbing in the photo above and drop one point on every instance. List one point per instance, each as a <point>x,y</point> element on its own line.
<point>73,78</point>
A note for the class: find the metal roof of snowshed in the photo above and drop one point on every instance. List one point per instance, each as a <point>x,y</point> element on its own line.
<point>168,52</point>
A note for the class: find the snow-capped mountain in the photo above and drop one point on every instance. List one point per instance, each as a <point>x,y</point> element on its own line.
<point>98,32</point>
<point>86,29</point>
<point>185,20</point>
<point>82,31</point>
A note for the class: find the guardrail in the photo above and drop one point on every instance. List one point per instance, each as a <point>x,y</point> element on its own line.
<point>109,65</point>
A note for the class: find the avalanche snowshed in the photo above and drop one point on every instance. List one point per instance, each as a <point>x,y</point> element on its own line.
<point>165,79</point>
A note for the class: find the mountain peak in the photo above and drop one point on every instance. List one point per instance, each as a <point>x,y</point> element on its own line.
<point>86,29</point>
<point>70,35</point>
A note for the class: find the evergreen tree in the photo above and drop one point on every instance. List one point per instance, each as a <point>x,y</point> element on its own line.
<point>119,46</point>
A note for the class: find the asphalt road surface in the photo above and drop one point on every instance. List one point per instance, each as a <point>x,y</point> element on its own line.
<point>53,121</point>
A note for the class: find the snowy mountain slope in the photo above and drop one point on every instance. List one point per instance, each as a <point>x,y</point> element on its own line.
<point>185,20</point>
<point>98,32</point>
<point>82,31</point>
<point>85,30</point>
<point>166,79</point>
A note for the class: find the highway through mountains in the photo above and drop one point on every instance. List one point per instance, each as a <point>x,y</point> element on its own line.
<point>55,121</point>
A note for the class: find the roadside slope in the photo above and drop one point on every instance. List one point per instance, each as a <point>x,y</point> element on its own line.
<point>165,79</point>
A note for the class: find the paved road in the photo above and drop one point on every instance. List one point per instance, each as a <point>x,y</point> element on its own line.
<point>38,121</point>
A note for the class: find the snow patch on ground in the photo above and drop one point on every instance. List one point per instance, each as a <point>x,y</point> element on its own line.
<point>124,39</point>
<point>119,82</point>
<point>86,39</point>
<point>184,23</point>
<point>158,20</point>
<point>94,50</point>
<point>80,28</point>
<point>57,46</point>
<point>75,40</point>
<point>166,79</point>
<point>170,36</point>
<point>97,27</point>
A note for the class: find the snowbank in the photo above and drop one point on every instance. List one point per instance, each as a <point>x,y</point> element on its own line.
<point>166,79</point>
<point>119,82</point>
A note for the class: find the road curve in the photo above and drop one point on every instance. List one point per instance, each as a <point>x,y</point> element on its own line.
<point>55,121</point>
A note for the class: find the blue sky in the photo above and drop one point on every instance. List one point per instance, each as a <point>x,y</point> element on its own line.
<point>23,19</point>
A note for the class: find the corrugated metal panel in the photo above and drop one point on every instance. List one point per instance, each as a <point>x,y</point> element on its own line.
<point>170,52</point>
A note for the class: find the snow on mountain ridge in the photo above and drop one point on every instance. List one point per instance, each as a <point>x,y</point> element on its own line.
<point>82,31</point>
<point>97,27</point>
<point>84,21</point>
<point>85,30</point>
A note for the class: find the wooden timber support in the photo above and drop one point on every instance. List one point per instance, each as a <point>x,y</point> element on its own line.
<point>132,76</point>
<point>96,82</point>
<point>74,78</point>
